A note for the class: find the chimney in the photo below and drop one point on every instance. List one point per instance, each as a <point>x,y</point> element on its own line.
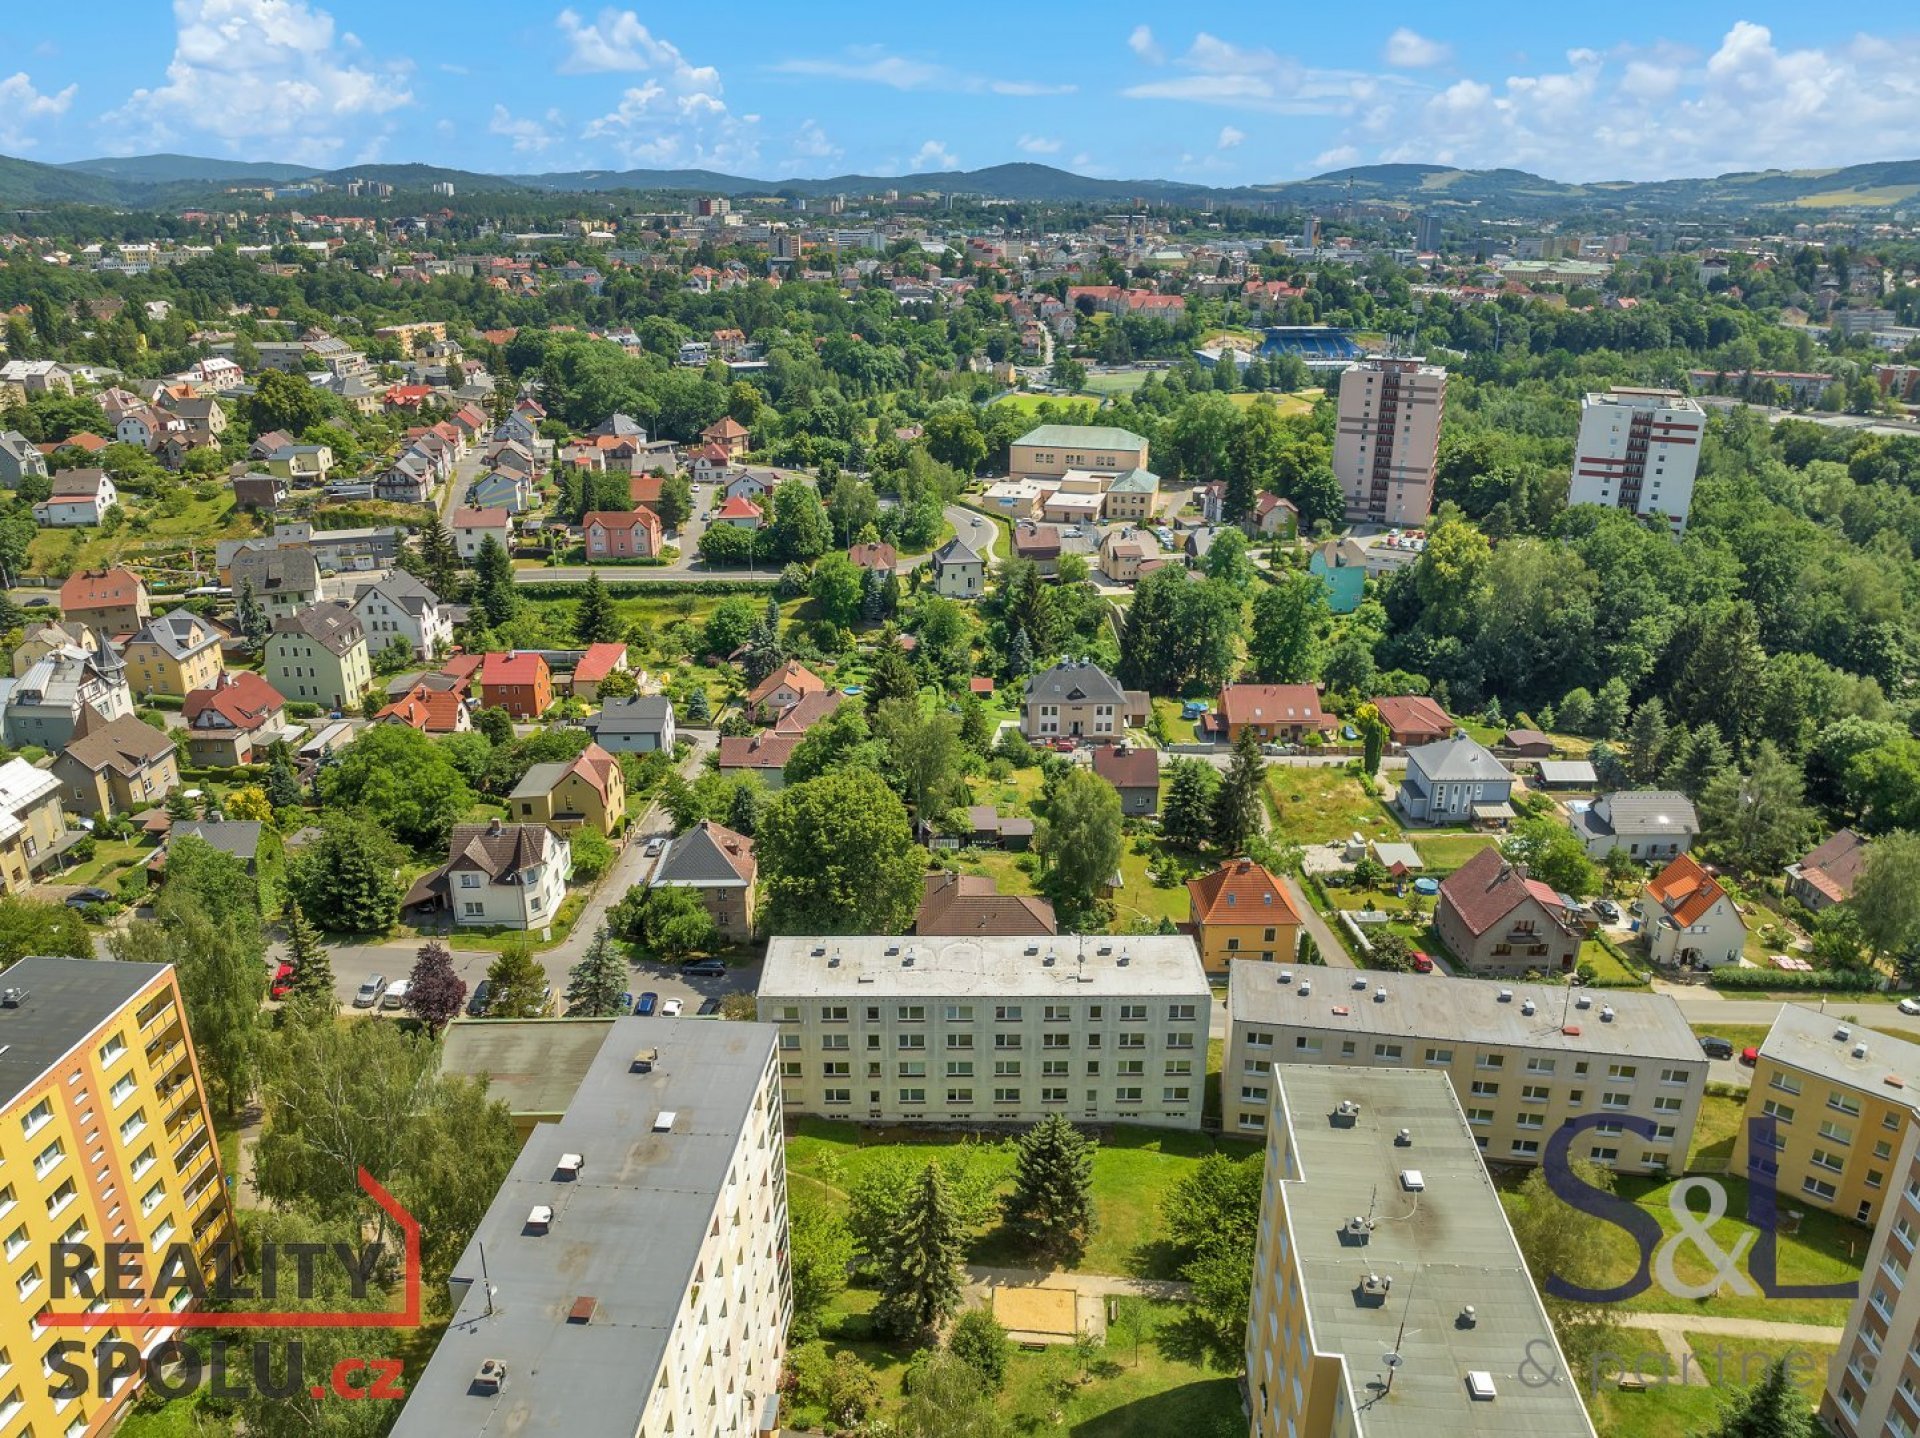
<point>493,825</point>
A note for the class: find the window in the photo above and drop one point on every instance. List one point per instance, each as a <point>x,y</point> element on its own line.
<point>1139,1041</point>
<point>1827,1159</point>
<point>837,1096</point>
<point>834,1043</point>
<point>1530,1120</point>
<point>913,1068</point>
<point>1006,1068</point>
<point>1179,1068</point>
<point>1818,1188</point>
<point>1480,1115</point>
<point>1053,1068</point>
<point>1181,1040</point>
<point>37,1117</point>
<point>133,1125</point>
<point>959,1068</point>
<point>1845,1103</point>
<point>27,1282</point>
<point>1605,1155</point>
<point>1259,1039</point>
<point>123,1086</point>
<point>790,1069</point>
<point>1006,1013</point>
<point>1006,1041</point>
<point>1617,1098</point>
<point>1056,1041</point>
<point>1389,1053</point>
<point>833,1014</point>
<point>841,1069</point>
<point>1490,1061</point>
<point>1174,1095</point>
<point>960,1095</point>
<point>1439,1056</point>
<point>49,1159</point>
<point>1126,1068</point>
<point>1306,1045</point>
<point>911,1014</point>
<point>1006,1095</point>
<point>17,1242</point>
<point>1540,1066</point>
<point>1126,1095</point>
<point>1535,1093</point>
<point>1526,1147</point>
<point>912,1041</point>
<point>1484,1089</point>
<point>1785,1082</point>
<point>1179,1013</point>
<point>1623,1071</point>
<point>1667,1104</point>
<point>1059,1014</point>
<point>1674,1076</point>
<point>111,1050</point>
<point>790,1042</point>
<point>912,1096</point>
<point>959,1013</point>
<point>960,1041</point>
<point>1838,1132</point>
<point>1053,1095</point>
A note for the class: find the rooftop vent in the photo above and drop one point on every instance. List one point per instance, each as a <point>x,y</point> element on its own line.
<point>1358,1227</point>
<point>1306,986</point>
<point>1412,1180</point>
<point>12,998</point>
<point>1286,977</point>
<point>1468,1318</point>
<point>1104,950</point>
<point>1031,950</point>
<point>539,1218</point>
<point>1360,981</point>
<point>663,1121</point>
<point>1380,994</point>
<point>818,950</point>
<point>1346,1111</point>
<point>1480,1385</point>
<point>1124,959</point>
<point>583,1309</point>
<point>1505,996</point>
<point>1583,1001</point>
<point>1606,1013</point>
<point>1859,1051</point>
<point>833,959</point>
<point>1051,959</point>
<point>1403,1139</point>
<point>907,961</point>
<point>1376,1285</point>
<point>1842,1034</point>
<point>892,950</point>
<point>491,1378</point>
<point>1526,1006</point>
<point>643,1061</point>
<point>569,1166</point>
<point>1572,1031</point>
<point>863,978</point>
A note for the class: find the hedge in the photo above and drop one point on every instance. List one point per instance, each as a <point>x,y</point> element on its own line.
<point>638,588</point>
<point>1838,981</point>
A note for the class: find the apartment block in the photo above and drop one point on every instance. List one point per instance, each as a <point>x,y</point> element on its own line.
<point>932,1029</point>
<point>1390,1298</point>
<point>1388,439</point>
<point>1873,1378</point>
<point>1638,450</point>
<point>105,1138</point>
<point>631,1275</point>
<point>1842,1100</point>
<point>1525,1059</point>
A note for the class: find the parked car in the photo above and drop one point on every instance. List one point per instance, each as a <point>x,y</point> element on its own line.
<point>370,991</point>
<point>282,983</point>
<point>1909,1006</point>
<point>671,1009</point>
<point>482,993</point>
<point>1608,911</point>
<point>39,601</point>
<point>704,969</point>
<point>81,898</point>
<point>1715,1047</point>
<point>654,846</point>
<point>1422,963</point>
<point>626,1004</point>
<point>396,995</point>
<point>709,1005</point>
<point>646,1003</point>
<point>1750,1056</point>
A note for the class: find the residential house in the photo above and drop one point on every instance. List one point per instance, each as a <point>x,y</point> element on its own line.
<point>512,457</point>
<point>1242,910</point>
<point>238,838</point>
<point>986,828</point>
<point>958,570</point>
<point>231,722</point>
<point>408,480</point>
<point>268,443</point>
<point>762,754</point>
<point>502,489</point>
<point>113,601</point>
<point>962,905</point>
<point>1074,699</point>
<point>43,638</point>
<point>1125,554</point>
<point>782,689</point>
<point>403,607</point>
<point>46,705</point>
<point>1413,720</point>
<point>879,556</point>
<point>306,464</point>
<point>1690,921</point>
<point>718,866</point>
<point>1344,579</point>
<point>617,534</point>
<point>642,724</point>
<point>1455,782</point>
<point>1039,543</point>
<point>1528,744</point>
<point>1276,517</point>
<point>473,527</point>
<point>19,459</point>
<point>205,419</point>
<point>1825,875</point>
<point>1650,824</point>
<point>38,376</point>
<point>116,766</point>
<point>319,656</point>
<point>1502,924</point>
<point>740,514</point>
<point>175,653</point>
<point>519,682</point>
<point>80,496</point>
<point>1133,497</point>
<point>253,490</point>
<point>1273,712</point>
<point>32,822</point>
<point>1135,773</point>
<point>430,710</point>
<point>283,581</point>
<point>589,789</point>
<point>594,665</point>
<point>729,434</point>
<point>508,876</point>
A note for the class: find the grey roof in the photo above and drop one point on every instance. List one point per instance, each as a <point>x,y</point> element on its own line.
<point>1082,436</point>
<point>540,779</point>
<point>1014,966</point>
<point>400,588</point>
<point>67,999</point>
<point>501,851</point>
<point>627,1232</point>
<point>706,855</point>
<point>276,571</point>
<point>956,551</point>
<point>179,632</point>
<point>1640,811</point>
<point>1566,771</point>
<point>1457,760</point>
<point>238,837</point>
<point>533,1065</point>
<point>330,625</point>
<point>641,714</point>
<point>1445,1247</point>
<point>1808,1039</point>
<point>1649,1025</point>
<point>1074,681</point>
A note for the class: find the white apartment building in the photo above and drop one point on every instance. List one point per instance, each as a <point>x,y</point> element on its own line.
<point>1873,1378</point>
<point>919,1029</point>
<point>401,607</point>
<point>1638,450</point>
<point>1524,1058</point>
<point>1388,438</point>
<point>631,1275</point>
<point>510,876</point>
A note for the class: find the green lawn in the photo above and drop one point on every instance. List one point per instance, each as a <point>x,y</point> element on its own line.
<point>143,538</point>
<point>111,857</point>
<point>1444,853</point>
<point>1140,897</point>
<point>1738,1362</point>
<point>1714,1133</point>
<point>1321,803</point>
<point>1607,969</point>
<point>1664,1410</point>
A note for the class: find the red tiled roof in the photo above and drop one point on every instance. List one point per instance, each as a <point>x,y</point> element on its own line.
<point>598,662</point>
<point>1241,892</point>
<point>880,555</point>
<point>1274,704</point>
<point>241,697</point>
<point>1685,890</point>
<point>618,519</point>
<point>512,669</point>
<point>739,508</point>
<point>99,589</point>
<point>795,675</point>
<point>724,428</point>
<point>1486,888</point>
<point>1412,714</point>
<point>1125,767</point>
<point>1834,867</point>
<point>645,488</point>
<point>491,518</point>
<point>973,904</point>
<point>765,750</point>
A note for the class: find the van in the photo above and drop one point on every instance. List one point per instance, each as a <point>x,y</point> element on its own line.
<point>705,969</point>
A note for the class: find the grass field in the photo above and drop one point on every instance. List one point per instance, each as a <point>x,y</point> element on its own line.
<point>1728,1364</point>
<point>1446,852</point>
<point>1320,803</point>
<point>1125,382</point>
<point>1714,1132</point>
<point>1299,402</point>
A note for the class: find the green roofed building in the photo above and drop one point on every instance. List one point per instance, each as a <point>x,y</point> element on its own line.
<point>1049,451</point>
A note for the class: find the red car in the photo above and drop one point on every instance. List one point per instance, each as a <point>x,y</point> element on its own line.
<point>1749,1057</point>
<point>1421,963</point>
<point>282,981</point>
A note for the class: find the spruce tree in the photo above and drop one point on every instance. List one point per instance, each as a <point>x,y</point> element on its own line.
<point>1771,1408</point>
<point>699,709</point>
<point>1187,819</point>
<point>1236,807</point>
<point>922,1287</point>
<point>594,985</point>
<point>744,809</point>
<point>1052,1198</point>
<point>892,677</point>
<point>312,969</point>
<point>283,784</point>
<point>252,619</point>
<point>1019,655</point>
<point>519,985</point>
<point>595,621</point>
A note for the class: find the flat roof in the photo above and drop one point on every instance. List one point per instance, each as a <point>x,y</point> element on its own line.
<point>1012,967</point>
<point>64,1000</point>
<point>626,1232</point>
<point>1437,1006</point>
<point>1808,1039</point>
<point>534,1066</point>
<point>1082,436</point>
<point>1444,1247</point>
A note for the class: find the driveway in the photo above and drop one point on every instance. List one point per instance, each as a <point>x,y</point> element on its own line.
<point>1333,953</point>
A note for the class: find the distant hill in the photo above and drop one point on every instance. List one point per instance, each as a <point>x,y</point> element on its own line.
<point>168,180</point>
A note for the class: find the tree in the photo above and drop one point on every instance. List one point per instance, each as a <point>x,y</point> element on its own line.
<point>851,1390</point>
<point>675,504</point>
<point>1576,712</point>
<point>435,993</point>
<point>401,779</point>
<point>799,528</point>
<point>494,595</point>
<point>1374,734</point>
<point>923,754</point>
<point>675,923</point>
<point>1319,498</point>
<point>920,1288</point>
<point>595,621</point>
<point>1019,655</point>
<point>953,437</point>
<point>312,970</point>
<point>1228,559</point>
<point>1236,806</point>
<point>1212,1217</point>
<point>1886,898</point>
<point>837,857</point>
<point>1610,708</point>
<point>286,402</point>
<point>699,707</point>
<point>836,588</point>
<point>33,926</point>
<point>1179,632</point>
<point>1186,819</point>
<point>518,985</point>
<point>947,1398</point>
<point>1556,1241</point>
<point>1068,373</point>
<point>1553,854</point>
<point>347,880</point>
<point>979,1341</point>
<point>1284,646</point>
<point>495,725</point>
<point>1774,1407</point>
<point>745,808</point>
<point>1647,741</point>
<point>595,984</point>
<point>1350,667</point>
<point>1052,1198</point>
<point>1079,839</point>
<point>251,618</point>
<point>842,740</point>
<point>820,1247</point>
<point>283,784</point>
<point>1757,820</point>
<point>892,676</point>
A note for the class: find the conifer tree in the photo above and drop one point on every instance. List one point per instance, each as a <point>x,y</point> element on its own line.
<point>922,1288</point>
<point>1052,1198</point>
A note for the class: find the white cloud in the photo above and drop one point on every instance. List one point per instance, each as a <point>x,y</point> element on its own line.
<point>1217,72</point>
<point>677,116</point>
<point>254,74</point>
<point>934,155</point>
<point>1229,137</point>
<point>1336,158</point>
<point>1409,50</point>
<point>1142,43</point>
<point>810,142</point>
<point>21,104</point>
<point>617,41</point>
<point>529,136</point>
<point>870,65</point>
<point>1038,145</point>
<point>1657,111</point>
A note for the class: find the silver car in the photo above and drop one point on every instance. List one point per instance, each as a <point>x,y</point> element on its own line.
<point>370,991</point>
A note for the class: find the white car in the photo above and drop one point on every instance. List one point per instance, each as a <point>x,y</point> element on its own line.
<point>1909,1006</point>
<point>396,995</point>
<point>670,1008</point>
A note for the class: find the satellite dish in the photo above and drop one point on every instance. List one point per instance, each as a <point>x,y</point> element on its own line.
<point>1393,1360</point>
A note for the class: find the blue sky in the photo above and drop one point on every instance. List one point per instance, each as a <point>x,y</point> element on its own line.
<point>1633,91</point>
